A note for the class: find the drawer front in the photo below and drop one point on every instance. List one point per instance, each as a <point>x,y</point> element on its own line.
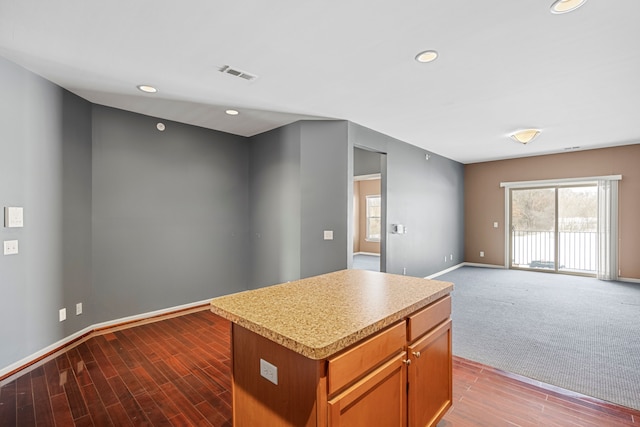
<point>350,365</point>
<point>379,399</point>
<point>426,319</point>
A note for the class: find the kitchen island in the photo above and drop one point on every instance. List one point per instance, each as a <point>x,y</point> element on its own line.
<point>352,347</point>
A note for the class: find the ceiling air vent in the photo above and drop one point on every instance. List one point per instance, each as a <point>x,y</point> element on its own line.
<point>237,73</point>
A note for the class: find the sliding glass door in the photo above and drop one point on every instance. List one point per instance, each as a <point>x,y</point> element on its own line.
<point>533,228</point>
<point>554,228</point>
<point>578,229</point>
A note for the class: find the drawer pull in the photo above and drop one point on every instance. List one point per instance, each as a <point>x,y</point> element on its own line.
<point>407,362</point>
<point>416,354</point>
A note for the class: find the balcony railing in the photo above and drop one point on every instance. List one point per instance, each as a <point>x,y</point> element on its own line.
<point>577,250</point>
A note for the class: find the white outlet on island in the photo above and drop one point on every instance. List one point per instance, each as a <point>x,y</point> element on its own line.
<point>269,371</point>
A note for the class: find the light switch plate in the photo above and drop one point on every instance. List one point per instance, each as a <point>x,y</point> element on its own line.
<point>10,247</point>
<point>328,234</point>
<point>13,217</point>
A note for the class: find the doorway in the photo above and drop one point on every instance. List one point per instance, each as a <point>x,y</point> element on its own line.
<point>367,235</point>
<point>369,210</point>
<point>555,228</point>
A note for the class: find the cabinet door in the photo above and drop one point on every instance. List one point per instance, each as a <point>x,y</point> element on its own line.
<point>430,377</point>
<point>378,399</point>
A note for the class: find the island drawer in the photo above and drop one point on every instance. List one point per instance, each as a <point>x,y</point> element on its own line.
<point>357,361</point>
<point>426,319</point>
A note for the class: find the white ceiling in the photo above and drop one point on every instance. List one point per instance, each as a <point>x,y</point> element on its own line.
<point>503,65</point>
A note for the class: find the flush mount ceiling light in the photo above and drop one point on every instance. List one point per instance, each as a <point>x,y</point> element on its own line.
<point>427,56</point>
<point>147,88</point>
<point>564,6</point>
<point>232,112</point>
<point>525,136</point>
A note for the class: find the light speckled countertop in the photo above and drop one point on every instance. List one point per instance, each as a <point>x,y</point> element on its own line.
<point>321,315</point>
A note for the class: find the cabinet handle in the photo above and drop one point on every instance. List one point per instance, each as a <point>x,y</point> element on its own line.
<point>407,362</point>
<point>416,354</point>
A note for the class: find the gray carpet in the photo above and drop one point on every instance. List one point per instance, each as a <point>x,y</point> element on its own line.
<point>366,262</point>
<point>577,333</point>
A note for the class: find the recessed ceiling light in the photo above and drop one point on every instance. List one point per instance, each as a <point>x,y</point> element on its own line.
<point>160,126</point>
<point>147,88</point>
<point>525,136</point>
<point>564,6</point>
<point>232,112</point>
<point>427,56</point>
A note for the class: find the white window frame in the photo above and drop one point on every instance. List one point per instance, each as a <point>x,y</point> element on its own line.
<point>368,237</point>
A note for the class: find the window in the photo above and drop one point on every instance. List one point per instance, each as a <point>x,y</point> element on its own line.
<point>574,208</point>
<point>373,219</point>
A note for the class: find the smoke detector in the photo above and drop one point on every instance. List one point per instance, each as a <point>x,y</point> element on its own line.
<point>226,69</point>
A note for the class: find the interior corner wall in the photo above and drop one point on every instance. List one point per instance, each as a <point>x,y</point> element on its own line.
<point>274,218</point>
<point>170,213</point>
<point>484,198</point>
<point>45,167</point>
<point>298,188</point>
<point>427,196</point>
<point>326,192</point>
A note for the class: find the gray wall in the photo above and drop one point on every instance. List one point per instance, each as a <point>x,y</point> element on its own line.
<point>127,219</point>
<point>299,183</point>
<point>325,186</point>
<point>170,213</point>
<point>45,167</point>
<point>365,162</point>
<point>424,195</point>
<point>275,206</point>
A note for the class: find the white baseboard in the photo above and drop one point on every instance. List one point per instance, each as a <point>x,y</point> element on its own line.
<point>628,280</point>
<point>440,273</point>
<point>463,264</point>
<point>41,356</point>
<point>475,264</point>
<point>366,253</point>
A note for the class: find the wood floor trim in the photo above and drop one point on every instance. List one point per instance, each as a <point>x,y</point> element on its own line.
<point>580,399</point>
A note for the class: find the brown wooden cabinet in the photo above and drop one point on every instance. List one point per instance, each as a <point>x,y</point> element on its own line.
<point>429,377</point>
<point>430,373</point>
<point>379,399</point>
<point>400,376</point>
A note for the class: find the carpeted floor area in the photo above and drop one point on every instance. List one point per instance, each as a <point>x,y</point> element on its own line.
<point>578,333</point>
<point>366,262</point>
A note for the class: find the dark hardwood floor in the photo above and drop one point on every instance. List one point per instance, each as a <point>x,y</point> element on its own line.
<point>175,372</point>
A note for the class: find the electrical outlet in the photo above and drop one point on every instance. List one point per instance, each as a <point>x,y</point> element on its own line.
<point>62,314</point>
<point>10,247</point>
<point>269,371</point>
<point>451,257</point>
<point>404,271</point>
<point>78,309</point>
<point>481,254</point>
<point>328,234</point>
<point>445,258</point>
